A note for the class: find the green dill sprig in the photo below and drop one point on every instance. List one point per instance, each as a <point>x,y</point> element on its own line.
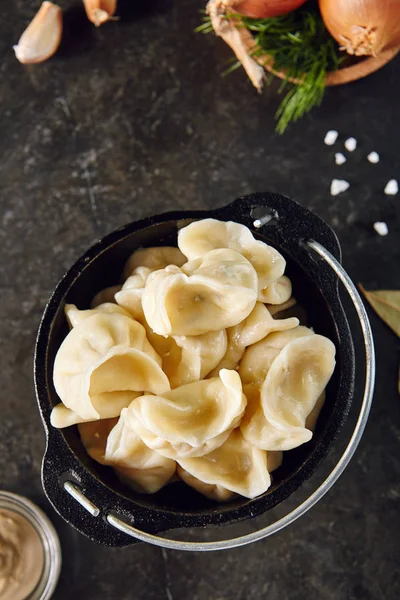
<point>206,26</point>
<point>302,48</point>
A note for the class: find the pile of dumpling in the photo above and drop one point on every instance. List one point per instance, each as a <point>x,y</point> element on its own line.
<point>187,371</point>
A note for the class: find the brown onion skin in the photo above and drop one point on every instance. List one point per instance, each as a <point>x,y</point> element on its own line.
<point>263,9</point>
<point>380,18</point>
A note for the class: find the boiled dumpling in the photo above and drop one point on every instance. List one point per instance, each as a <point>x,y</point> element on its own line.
<point>274,460</point>
<point>94,437</point>
<point>191,358</point>
<point>198,238</point>
<point>236,466</point>
<point>212,491</point>
<point>251,330</point>
<point>130,300</point>
<point>111,443</point>
<point>277,292</point>
<point>259,357</point>
<point>142,468</point>
<point>191,420</point>
<point>312,418</point>
<point>106,295</point>
<point>218,492</point>
<point>276,417</point>
<point>105,353</point>
<point>154,259</point>
<point>107,405</point>
<point>188,358</point>
<point>277,309</point>
<point>254,426</point>
<point>75,315</point>
<point>130,295</point>
<point>184,358</point>
<point>205,295</point>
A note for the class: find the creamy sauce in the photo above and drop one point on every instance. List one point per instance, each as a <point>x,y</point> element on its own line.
<point>21,556</point>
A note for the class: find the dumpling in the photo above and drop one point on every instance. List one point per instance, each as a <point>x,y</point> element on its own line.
<point>259,357</point>
<point>142,468</point>
<point>205,295</point>
<point>105,353</point>
<point>184,358</point>
<point>107,405</point>
<point>253,422</point>
<point>191,420</point>
<point>276,309</point>
<point>188,358</point>
<point>213,491</point>
<point>200,237</point>
<point>154,259</point>
<point>130,295</point>
<point>106,295</point>
<point>251,330</point>
<point>277,292</point>
<point>192,358</point>
<point>111,443</point>
<point>75,315</point>
<point>218,492</point>
<point>94,437</point>
<point>236,466</point>
<point>274,460</point>
<point>312,418</point>
<point>276,419</point>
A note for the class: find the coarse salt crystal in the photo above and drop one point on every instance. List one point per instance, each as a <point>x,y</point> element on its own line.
<point>392,187</point>
<point>350,144</point>
<point>331,137</point>
<point>373,157</point>
<point>338,186</point>
<point>340,158</point>
<point>381,228</point>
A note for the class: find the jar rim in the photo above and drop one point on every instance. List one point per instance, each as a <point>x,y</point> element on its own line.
<point>46,531</point>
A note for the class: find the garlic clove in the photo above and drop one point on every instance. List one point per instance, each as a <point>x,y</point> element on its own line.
<point>100,11</point>
<point>42,37</point>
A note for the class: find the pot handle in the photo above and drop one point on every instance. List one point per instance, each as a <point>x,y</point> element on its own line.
<point>344,460</point>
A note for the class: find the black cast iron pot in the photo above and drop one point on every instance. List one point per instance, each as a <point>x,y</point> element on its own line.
<point>315,286</point>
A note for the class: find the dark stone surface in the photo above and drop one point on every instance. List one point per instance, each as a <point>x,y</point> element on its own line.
<point>134,119</point>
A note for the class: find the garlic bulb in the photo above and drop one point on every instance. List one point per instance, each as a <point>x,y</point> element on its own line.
<point>42,37</point>
<point>363,27</point>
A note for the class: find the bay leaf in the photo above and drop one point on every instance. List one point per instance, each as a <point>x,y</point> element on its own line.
<point>386,304</point>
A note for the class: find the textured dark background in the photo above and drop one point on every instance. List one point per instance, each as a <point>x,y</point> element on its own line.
<point>134,119</point>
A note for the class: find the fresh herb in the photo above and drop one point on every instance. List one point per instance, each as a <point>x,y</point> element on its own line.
<point>302,48</point>
<point>300,45</point>
<point>206,26</point>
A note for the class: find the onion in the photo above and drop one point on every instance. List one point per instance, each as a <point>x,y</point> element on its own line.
<point>263,9</point>
<point>363,26</point>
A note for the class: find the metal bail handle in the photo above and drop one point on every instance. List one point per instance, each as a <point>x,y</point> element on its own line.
<point>329,481</point>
